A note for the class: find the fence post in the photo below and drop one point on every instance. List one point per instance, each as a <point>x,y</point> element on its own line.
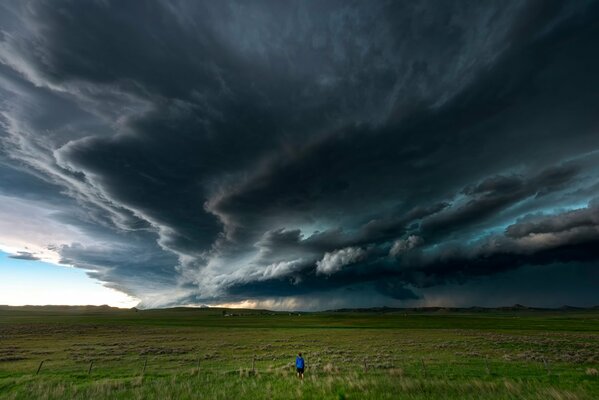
<point>40,367</point>
<point>365,366</point>
<point>487,366</point>
<point>546,364</point>
<point>254,364</point>
<point>198,367</point>
<point>423,367</point>
<point>91,364</point>
<point>145,365</point>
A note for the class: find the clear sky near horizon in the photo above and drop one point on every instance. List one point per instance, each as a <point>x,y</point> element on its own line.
<point>34,282</point>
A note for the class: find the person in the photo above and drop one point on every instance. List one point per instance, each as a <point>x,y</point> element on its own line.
<point>299,365</point>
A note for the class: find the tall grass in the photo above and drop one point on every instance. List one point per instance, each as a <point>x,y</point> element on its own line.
<point>264,385</point>
<point>201,355</point>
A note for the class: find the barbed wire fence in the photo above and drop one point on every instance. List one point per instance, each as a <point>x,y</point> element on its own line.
<point>417,367</point>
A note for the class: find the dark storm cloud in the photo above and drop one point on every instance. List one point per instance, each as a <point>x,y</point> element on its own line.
<point>496,193</point>
<point>531,225</point>
<point>138,267</point>
<point>226,151</point>
<point>18,182</point>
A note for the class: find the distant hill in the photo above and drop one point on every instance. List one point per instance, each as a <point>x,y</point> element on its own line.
<point>515,307</point>
<point>250,311</point>
<point>59,308</point>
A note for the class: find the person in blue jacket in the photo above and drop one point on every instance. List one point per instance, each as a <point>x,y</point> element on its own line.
<point>299,365</point>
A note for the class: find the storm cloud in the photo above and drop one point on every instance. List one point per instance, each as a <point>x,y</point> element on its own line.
<point>303,155</point>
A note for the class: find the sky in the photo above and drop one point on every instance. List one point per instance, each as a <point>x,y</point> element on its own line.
<point>299,155</point>
<point>20,285</point>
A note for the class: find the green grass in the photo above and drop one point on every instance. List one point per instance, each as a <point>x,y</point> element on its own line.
<point>411,355</point>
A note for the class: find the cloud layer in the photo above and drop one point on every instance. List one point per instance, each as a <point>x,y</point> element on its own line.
<point>302,155</point>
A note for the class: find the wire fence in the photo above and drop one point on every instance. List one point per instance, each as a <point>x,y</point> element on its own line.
<point>416,367</point>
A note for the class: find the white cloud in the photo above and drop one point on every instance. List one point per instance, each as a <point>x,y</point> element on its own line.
<point>402,246</point>
<point>334,261</point>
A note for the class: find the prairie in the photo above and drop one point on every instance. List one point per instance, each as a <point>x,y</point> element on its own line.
<point>182,353</point>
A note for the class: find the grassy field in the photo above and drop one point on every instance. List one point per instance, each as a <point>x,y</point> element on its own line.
<point>91,353</point>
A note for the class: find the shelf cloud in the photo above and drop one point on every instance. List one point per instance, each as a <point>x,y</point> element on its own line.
<point>305,155</point>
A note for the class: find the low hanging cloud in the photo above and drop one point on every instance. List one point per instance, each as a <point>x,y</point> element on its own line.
<point>24,255</point>
<point>333,262</point>
<point>306,155</point>
<point>402,246</point>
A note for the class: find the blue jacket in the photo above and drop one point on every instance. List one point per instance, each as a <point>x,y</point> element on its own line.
<point>299,362</point>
